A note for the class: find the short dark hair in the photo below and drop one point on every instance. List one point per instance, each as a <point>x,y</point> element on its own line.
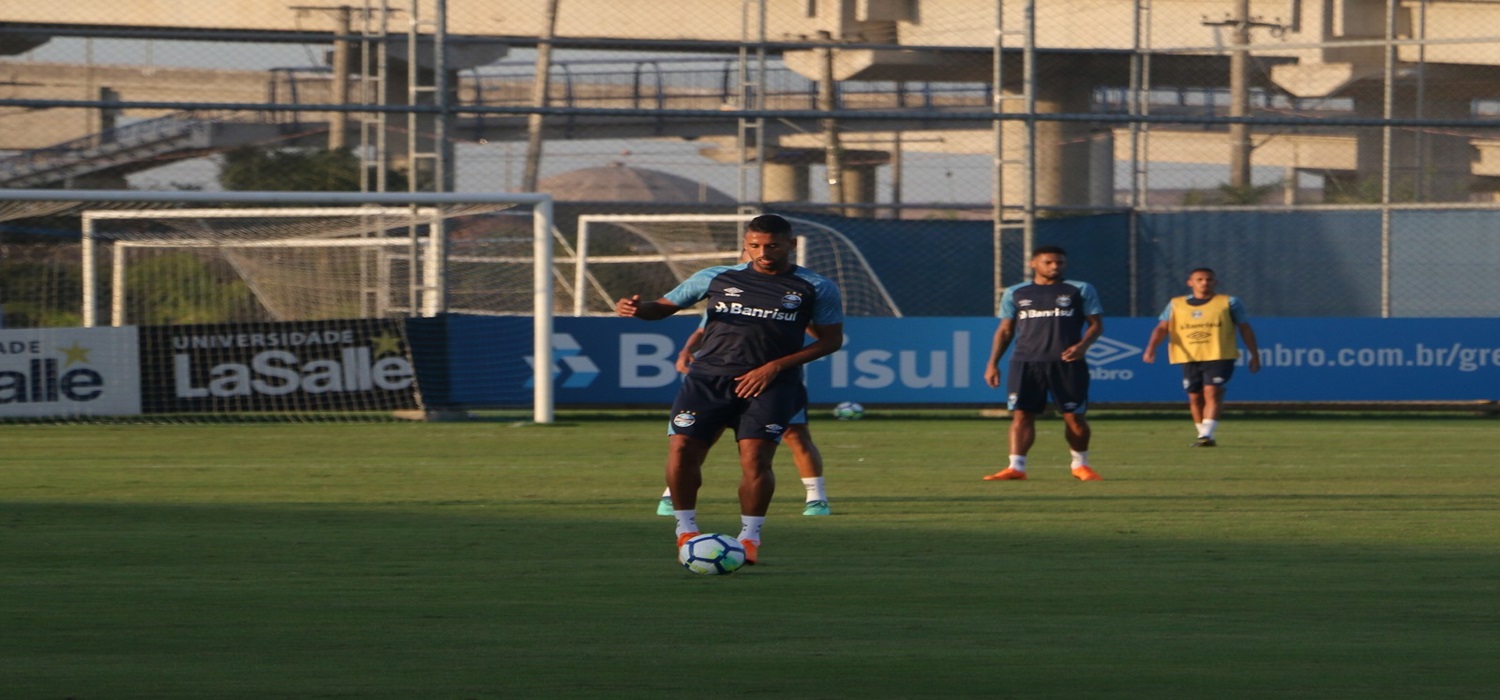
<point>1055,250</point>
<point>1197,270</point>
<point>769,223</point>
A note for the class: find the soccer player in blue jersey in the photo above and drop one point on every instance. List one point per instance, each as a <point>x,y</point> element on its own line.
<point>1053,322</point>
<point>1202,327</point>
<point>747,377</point>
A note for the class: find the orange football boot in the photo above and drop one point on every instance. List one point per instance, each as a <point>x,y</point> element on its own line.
<point>1083,473</point>
<point>1006,474</point>
<point>752,551</point>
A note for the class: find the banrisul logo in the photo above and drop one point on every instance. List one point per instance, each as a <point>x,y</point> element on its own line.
<point>1106,350</point>
<point>570,367</point>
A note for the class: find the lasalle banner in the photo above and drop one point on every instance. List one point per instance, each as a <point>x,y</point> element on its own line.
<point>315,365</point>
<point>602,361</point>
<point>69,372</point>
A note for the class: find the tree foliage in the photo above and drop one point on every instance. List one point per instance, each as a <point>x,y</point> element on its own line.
<point>180,288</point>
<point>297,170</point>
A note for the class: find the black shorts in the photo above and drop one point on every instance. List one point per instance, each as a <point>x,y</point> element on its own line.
<point>706,406</point>
<point>1030,383</point>
<point>1215,372</point>
<point>801,417</point>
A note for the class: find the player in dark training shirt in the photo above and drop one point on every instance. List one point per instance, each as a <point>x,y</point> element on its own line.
<point>1053,322</point>
<point>747,375</point>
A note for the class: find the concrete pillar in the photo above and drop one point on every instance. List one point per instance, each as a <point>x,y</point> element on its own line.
<point>786,182</point>
<point>1062,148</point>
<point>1426,165</point>
<point>398,136</point>
<point>1102,168</point>
<point>859,188</point>
<point>787,173</point>
<point>109,117</point>
<point>338,122</point>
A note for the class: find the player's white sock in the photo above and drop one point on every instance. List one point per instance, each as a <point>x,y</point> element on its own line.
<point>1208,428</point>
<point>687,520</point>
<point>1080,459</point>
<point>1018,462</point>
<point>750,527</point>
<point>814,486</point>
<point>1198,427</point>
<point>666,492</point>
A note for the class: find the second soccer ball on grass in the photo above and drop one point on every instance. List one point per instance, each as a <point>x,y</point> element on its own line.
<point>848,410</point>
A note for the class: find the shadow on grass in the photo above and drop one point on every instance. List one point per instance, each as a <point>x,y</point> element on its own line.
<point>476,599</point>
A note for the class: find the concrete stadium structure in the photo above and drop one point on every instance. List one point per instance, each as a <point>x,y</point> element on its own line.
<point>1443,61</point>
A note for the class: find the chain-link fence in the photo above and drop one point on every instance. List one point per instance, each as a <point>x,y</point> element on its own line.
<point>1327,158</point>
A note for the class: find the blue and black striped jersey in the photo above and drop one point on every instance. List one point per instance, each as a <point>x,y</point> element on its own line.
<point>1049,317</point>
<point>752,317</point>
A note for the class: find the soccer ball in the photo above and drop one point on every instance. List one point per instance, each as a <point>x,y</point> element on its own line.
<point>712,554</point>
<point>848,410</point>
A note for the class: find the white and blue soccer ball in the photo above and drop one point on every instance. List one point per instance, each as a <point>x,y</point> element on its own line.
<point>711,554</point>
<point>848,410</point>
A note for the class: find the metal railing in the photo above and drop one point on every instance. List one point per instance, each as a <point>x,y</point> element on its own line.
<point>109,143</point>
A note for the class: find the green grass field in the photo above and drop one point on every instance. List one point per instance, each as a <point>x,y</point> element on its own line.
<point>1307,557</point>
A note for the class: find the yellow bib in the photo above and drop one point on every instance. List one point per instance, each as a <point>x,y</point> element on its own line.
<point>1201,333</point>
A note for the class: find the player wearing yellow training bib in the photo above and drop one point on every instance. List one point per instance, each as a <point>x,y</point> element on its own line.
<point>1201,329</point>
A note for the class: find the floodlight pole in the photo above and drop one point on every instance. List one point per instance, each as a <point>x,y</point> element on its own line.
<point>1239,98</point>
<point>1388,110</point>
<point>539,87</point>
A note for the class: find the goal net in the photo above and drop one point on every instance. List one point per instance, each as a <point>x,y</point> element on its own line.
<point>295,305</point>
<point>620,255</point>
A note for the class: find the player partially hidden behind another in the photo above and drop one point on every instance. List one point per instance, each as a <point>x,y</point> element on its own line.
<point>805,453</point>
<point>747,375</point>
<point>1202,330</point>
<point>1053,321</point>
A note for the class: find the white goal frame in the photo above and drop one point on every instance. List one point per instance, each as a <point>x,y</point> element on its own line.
<point>580,278</point>
<point>542,242</point>
<point>432,267</point>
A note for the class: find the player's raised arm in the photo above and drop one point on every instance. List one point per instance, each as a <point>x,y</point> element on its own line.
<point>633,307</point>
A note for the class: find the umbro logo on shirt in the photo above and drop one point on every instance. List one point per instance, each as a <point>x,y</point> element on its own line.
<point>733,292</point>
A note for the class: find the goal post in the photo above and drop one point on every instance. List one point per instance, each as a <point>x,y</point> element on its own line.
<point>651,250</point>
<point>322,227</point>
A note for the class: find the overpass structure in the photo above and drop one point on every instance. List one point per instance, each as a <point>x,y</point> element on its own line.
<point>1384,59</point>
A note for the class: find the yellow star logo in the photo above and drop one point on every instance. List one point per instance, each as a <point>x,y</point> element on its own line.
<point>75,353</point>
<point>386,343</point>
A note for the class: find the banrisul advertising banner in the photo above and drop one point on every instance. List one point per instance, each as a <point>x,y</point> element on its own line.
<point>941,361</point>
<point>354,365</point>
<point>69,372</point>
